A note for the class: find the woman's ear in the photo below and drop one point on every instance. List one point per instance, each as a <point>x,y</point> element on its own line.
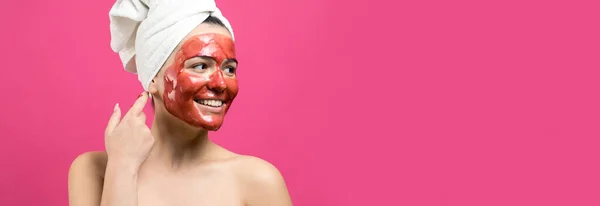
<point>156,85</point>
<point>153,87</point>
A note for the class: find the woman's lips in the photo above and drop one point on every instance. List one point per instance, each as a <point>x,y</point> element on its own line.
<point>210,102</point>
<point>211,105</point>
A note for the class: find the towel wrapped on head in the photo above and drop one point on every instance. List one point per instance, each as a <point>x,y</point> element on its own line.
<point>145,32</point>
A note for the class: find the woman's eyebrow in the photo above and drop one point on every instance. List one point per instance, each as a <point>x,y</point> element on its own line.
<point>209,58</point>
<point>203,57</point>
<point>230,60</point>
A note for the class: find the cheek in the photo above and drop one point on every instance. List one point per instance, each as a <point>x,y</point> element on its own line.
<point>232,87</point>
<point>190,83</point>
<point>169,79</point>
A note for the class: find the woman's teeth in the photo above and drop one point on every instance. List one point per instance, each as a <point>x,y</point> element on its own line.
<point>212,103</point>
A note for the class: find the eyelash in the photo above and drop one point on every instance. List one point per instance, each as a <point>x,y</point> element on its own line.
<point>201,64</point>
<point>231,68</point>
<point>205,65</point>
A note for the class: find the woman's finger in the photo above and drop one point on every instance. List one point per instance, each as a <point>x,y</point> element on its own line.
<point>114,120</point>
<point>138,106</point>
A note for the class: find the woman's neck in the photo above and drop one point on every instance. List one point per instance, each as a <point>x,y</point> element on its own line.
<point>176,143</point>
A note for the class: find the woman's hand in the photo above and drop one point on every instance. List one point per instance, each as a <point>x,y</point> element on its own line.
<point>129,140</point>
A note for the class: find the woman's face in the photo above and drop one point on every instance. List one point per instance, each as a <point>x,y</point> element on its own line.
<point>200,82</point>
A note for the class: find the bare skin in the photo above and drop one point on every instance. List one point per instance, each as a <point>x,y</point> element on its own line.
<point>170,164</point>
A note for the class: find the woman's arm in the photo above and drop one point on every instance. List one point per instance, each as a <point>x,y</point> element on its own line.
<point>110,179</point>
<point>120,185</point>
<point>128,142</point>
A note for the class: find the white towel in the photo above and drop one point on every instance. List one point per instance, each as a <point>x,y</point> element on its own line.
<point>148,31</point>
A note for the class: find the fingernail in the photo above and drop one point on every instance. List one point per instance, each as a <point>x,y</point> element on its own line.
<point>116,107</point>
<point>141,94</point>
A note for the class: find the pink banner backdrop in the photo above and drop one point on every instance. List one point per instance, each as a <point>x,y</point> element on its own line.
<point>357,102</point>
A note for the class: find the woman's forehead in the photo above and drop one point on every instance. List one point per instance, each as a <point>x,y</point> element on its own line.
<point>205,28</point>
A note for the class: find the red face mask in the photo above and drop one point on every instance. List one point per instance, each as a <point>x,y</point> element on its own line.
<point>201,84</point>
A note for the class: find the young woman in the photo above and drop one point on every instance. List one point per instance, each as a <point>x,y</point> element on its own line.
<point>174,162</point>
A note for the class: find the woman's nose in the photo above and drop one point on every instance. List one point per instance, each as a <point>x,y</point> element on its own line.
<point>216,81</point>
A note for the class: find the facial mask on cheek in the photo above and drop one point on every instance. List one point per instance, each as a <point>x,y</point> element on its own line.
<point>201,97</point>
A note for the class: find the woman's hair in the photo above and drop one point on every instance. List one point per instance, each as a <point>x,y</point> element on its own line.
<point>210,20</point>
<point>214,20</point>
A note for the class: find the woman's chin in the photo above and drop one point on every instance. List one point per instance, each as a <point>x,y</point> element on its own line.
<point>211,124</point>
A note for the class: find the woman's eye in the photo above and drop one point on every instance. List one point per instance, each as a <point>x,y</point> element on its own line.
<point>200,66</point>
<point>230,70</point>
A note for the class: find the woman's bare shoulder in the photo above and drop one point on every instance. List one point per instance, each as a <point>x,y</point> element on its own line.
<point>255,168</point>
<point>262,181</point>
<point>91,163</point>
<point>86,177</point>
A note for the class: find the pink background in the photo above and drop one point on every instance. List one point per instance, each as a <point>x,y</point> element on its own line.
<point>356,102</point>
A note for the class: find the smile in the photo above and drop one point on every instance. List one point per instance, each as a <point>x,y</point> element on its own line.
<point>210,102</point>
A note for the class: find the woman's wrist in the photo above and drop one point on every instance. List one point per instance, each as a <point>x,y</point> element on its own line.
<point>121,165</point>
<point>120,182</point>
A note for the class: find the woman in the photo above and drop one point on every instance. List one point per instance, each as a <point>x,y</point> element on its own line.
<point>174,162</point>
